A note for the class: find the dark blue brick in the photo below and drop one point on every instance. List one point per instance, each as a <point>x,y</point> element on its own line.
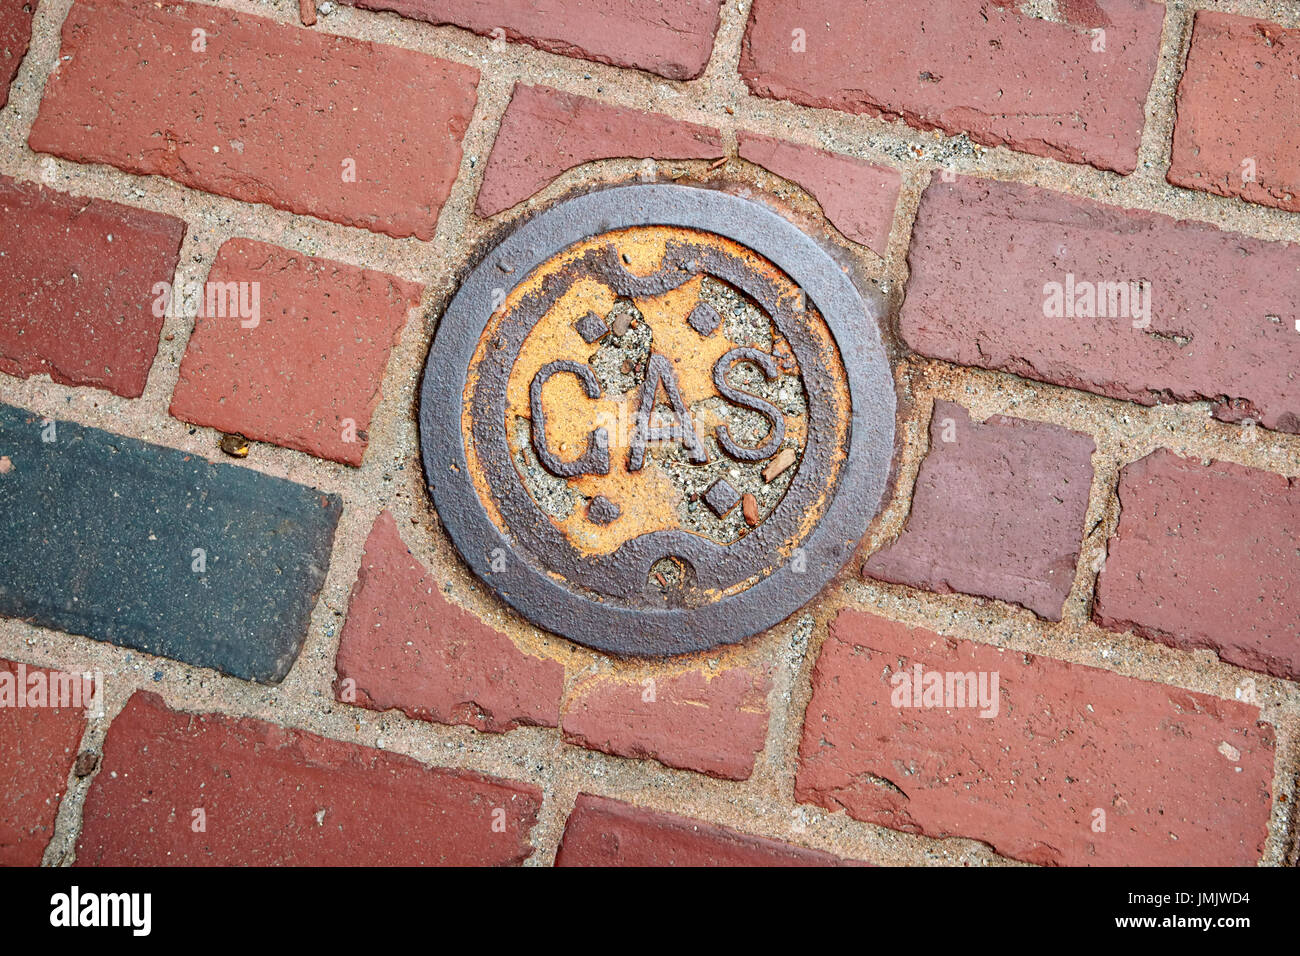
<point>98,536</point>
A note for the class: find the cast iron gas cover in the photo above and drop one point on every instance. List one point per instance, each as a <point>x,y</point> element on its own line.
<point>656,419</point>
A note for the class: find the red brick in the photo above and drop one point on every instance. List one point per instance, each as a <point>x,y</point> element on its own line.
<point>313,360</point>
<point>38,746</point>
<point>858,198</point>
<point>1207,555</point>
<point>1242,78</point>
<point>1221,304</point>
<point>404,645</point>
<point>545,132</point>
<point>76,287</point>
<point>605,832</point>
<point>15,34</point>
<point>672,38</point>
<point>272,795</point>
<point>269,113</point>
<point>997,512</point>
<point>1183,778</point>
<point>716,724</point>
<point>983,69</point>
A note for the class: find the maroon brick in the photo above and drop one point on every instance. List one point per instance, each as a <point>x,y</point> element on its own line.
<point>672,38</point>
<point>1207,555</point>
<point>266,113</point>
<point>404,645</point>
<point>272,795</point>
<point>1182,778</point>
<point>76,287</point>
<point>997,512</point>
<point>713,723</point>
<point>545,132</point>
<point>1242,76</point>
<point>15,34</point>
<point>305,370</point>
<point>858,198</point>
<point>605,832</point>
<point>38,746</point>
<point>979,68</point>
<point>1221,304</point>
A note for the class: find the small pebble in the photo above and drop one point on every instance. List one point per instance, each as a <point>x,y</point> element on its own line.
<point>236,446</point>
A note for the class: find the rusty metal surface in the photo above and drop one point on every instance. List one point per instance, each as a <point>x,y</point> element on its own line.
<point>611,381</point>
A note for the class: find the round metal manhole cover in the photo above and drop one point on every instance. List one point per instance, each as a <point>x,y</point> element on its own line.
<point>656,419</point>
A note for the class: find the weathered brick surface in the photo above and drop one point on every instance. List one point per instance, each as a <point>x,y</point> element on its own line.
<point>406,646</point>
<point>997,512</point>
<point>858,198</point>
<point>265,113</point>
<point>604,832</point>
<point>1230,138</point>
<point>277,141</point>
<point>38,746</point>
<point>983,69</point>
<point>271,795</point>
<point>672,38</point>
<point>101,534</point>
<point>76,287</point>
<point>545,132</point>
<point>1182,778</point>
<point>1207,555</point>
<point>15,34</point>
<point>305,371</point>
<point>1221,305</point>
<point>712,723</point>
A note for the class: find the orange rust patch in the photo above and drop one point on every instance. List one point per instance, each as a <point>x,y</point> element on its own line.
<point>649,499</point>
